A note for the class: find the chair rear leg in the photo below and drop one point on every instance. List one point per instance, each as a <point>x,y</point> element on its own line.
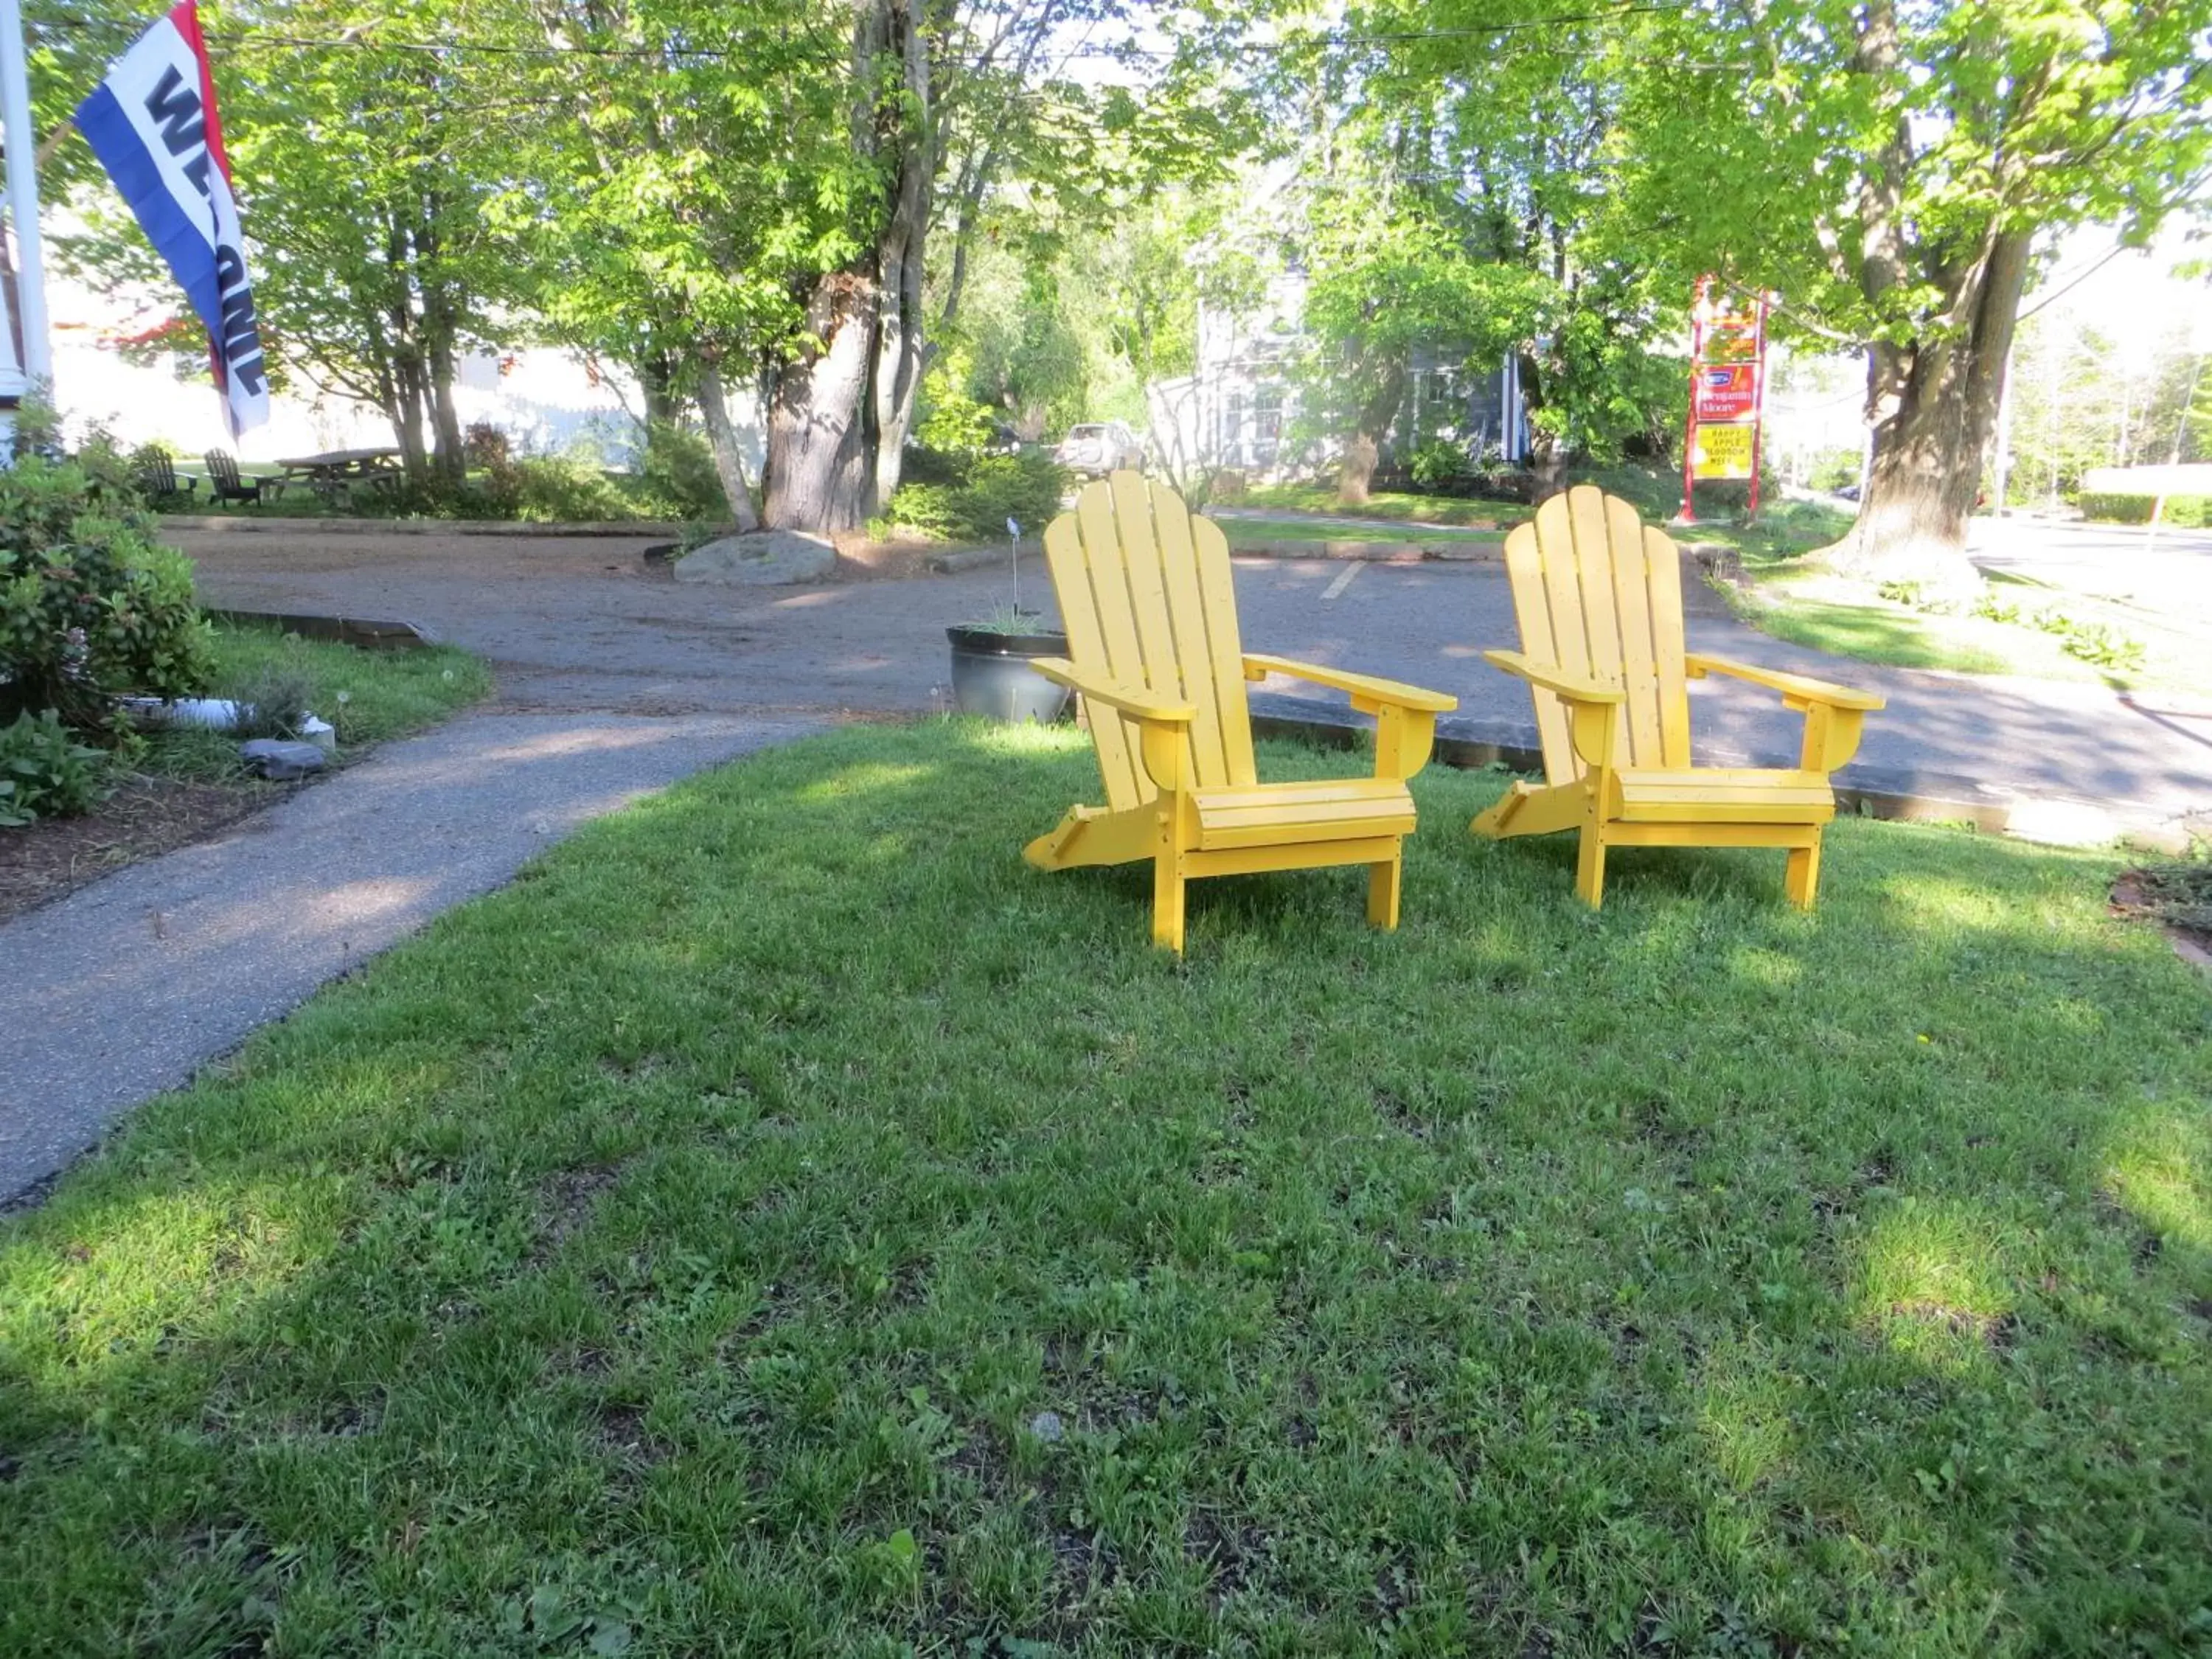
<point>1801,880</point>
<point>1589,867</point>
<point>1168,885</point>
<point>1384,879</point>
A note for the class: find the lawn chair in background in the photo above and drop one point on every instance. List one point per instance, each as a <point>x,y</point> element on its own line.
<point>158,480</point>
<point>224,483</point>
<point>1598,595</point>
<point>1145,596</point>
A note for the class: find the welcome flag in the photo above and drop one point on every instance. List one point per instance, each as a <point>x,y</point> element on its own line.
<point>153,123</point>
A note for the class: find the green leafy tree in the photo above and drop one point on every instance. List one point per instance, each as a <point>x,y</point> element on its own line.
<point>364,158</point>
<point>1893,171</point>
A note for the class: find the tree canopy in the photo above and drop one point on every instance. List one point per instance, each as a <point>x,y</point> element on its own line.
<point>806,198</point>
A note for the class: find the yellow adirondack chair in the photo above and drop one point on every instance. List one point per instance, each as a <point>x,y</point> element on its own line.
<point>1146,597</point>
<point>1598,594</point>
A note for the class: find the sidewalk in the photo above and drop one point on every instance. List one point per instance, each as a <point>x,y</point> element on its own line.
<point>128,986</point>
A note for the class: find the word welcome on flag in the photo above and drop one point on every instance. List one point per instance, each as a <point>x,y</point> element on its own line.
<point>153,123</point>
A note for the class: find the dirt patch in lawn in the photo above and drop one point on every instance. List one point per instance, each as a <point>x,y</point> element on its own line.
<point>43,861</point>
<point>2176,897</point>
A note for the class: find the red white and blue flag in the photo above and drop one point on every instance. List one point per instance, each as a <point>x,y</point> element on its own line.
<point>153,123</point>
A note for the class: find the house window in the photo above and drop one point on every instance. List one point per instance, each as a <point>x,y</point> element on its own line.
<point>1267,414</point>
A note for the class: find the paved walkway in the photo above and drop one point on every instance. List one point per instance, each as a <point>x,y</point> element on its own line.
<point>128,986</point>
<point>583,625</point>
<point>614,681</point>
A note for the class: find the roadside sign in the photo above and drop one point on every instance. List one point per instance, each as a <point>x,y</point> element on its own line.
<point>1727,387</point>
<point>1726,391</point>
<point>1721,451</point>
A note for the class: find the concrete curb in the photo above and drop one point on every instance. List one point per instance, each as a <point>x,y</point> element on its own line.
<point>369,634</point>
<point>1892,793</point>
<point>639,528</point>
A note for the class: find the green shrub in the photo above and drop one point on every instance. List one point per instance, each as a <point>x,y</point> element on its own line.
<point>1025,488</point>
<point>676,478</point>
<point>2182,512</point>
<point>45,773</point>
<point>1436,465</point>
<point>555,490</point>
<point>274,701</point>
<point>91,607</point>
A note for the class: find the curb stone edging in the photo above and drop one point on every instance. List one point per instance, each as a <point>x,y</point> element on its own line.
<point>1885,792</point>
<point>334,526</point>
<point>367,633</point>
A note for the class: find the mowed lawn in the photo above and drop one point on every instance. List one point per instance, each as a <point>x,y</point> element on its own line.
<point>782,1222</point>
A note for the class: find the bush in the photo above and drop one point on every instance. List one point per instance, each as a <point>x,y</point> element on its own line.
<point>274,701</point>
<point>555,490</point>
<point>1438,464</point>
<point>2182,512</point>
<point>676,478</point>
<point>995,488</point>
<point>91,607</point>
<point>45,772</point>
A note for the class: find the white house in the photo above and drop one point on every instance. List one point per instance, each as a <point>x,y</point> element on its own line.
<point>1237,409</point>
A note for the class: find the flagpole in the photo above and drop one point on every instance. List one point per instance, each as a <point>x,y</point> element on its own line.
<point>23,201</point>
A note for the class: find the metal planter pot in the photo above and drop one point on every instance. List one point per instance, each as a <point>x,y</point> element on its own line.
<point>991,676</point>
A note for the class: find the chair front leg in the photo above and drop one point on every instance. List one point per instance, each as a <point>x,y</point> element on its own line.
<point>1385,880</point>
<point>1403,739</point>
<point>1832,737</point>
<point>1170,882</point>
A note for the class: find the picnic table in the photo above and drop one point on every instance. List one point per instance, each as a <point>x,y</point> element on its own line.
<point>337,470</point>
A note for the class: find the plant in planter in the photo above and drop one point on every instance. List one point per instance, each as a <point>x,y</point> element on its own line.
<point>991,658</point>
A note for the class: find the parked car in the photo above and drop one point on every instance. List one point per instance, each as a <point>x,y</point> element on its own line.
<point>1099,448</point>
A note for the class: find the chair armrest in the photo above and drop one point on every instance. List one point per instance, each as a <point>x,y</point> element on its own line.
<point>1396,693</point>
<point>1574,688</point>
<point>1797,687</point>
<point>1135,700</point>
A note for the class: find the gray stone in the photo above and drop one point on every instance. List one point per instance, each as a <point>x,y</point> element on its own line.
<point>773,558</point>
<point>276,759</point>
<point>1047,1427</point>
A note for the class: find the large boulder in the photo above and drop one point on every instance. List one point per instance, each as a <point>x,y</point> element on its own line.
<point>772,558</point>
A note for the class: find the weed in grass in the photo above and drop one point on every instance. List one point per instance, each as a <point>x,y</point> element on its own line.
<point>678,1248</point>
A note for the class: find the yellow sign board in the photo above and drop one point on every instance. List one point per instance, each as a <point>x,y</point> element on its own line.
<point>1722,452</point>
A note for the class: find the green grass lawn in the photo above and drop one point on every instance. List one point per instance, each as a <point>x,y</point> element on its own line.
<point>1882,632</point>
<point>676,1253</point>
<point>1830,616</point>
<point>1248,532</point>
<point>1783,530</point>
<point>1383,504</point>
<point>368,695</point>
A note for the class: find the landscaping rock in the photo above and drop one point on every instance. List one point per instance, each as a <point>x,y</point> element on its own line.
<point>773,558</point>
<point>1047,1427</point>
<point>281,762</point>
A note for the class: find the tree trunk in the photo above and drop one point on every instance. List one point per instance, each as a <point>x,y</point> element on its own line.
<point>899,323</point>
<point>452,461</point>
<point>729,457</point>
<point>1356,472</point>
<point>820,468</point>
<point>656,378</point>
<point>407,379</point>
<point>840,413</point>
<point>1935,406</point>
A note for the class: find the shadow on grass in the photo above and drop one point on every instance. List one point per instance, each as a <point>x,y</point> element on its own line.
<point>681,1247</point>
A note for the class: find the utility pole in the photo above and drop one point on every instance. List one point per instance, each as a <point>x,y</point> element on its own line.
<point>38,365</point>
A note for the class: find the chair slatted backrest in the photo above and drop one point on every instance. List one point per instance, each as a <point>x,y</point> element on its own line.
<point>222,467</point>
<point>1599,593</point>
<point>157,473</point>
<point>1147,598</point>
